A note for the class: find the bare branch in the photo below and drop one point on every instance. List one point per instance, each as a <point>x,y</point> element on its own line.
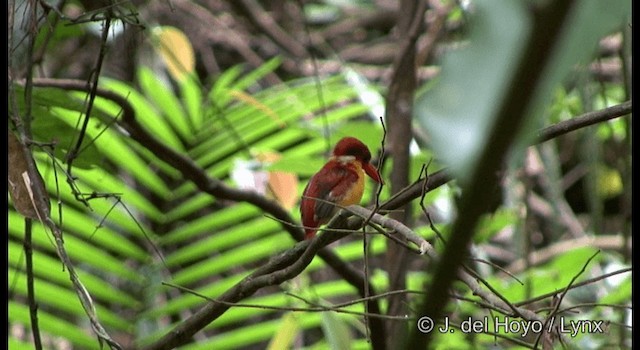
<point>611,242</point>
<point>584,120</point>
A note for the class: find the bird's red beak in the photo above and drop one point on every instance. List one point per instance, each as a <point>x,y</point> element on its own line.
<point>372,172</point>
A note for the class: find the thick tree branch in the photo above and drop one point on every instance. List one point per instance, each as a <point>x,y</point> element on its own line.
<point>399,117</point>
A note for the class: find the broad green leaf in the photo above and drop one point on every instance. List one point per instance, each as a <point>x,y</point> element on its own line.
<point>459,111</point>
<point>212,224</point>
<point>491,224</point>
<point>167,103</point>
<point>221,240</point>
<point>45,97</point>
<point>286,333</point>
<point>57,35</point>
<point>53,297</point>
<point>50,269</point>
<point>621,294</point>
<point>191,93</point>
<point>77,249</point>
<point>336,331</point>
<point>145,114</point>
<point>115,149</point>
<point>588,23</point>
<point>16,344</point>
<point>54,325</point>
<point>573,261</point>
<point>254,75</point>
<point>47,128</point>
<point>258,250</point>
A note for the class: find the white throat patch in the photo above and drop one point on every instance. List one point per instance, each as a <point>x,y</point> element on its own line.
<point>345,159</point>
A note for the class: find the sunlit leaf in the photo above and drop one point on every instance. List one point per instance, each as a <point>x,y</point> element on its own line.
<point>609,182</point>
<point>336,331</point>
<point>146,114</point>
<point>166,100</point>
<point>284,336</point>
<point>175,49</point>
<point>52,324</point>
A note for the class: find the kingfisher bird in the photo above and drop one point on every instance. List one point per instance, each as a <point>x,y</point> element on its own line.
<point>340,181</point>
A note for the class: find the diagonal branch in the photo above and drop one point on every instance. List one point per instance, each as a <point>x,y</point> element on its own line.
<point>583,120</point>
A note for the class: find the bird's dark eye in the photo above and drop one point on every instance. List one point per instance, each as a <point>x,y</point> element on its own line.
<point>359,153</point>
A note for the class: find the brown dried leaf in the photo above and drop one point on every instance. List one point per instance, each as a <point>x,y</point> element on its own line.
<point>22,185</point>
<point>283,185</point>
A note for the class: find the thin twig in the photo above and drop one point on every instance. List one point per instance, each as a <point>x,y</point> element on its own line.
<point>425,190</point>
<point>365,237</point>
<point>496,266</point>
<point>575,285</point>
<point>93,84</point>
<point>31,293</point>
<point>495,292</point>
<point>609,242</point>
<point>564,293</point>
<point>315,307</point>
<point>585,305</point>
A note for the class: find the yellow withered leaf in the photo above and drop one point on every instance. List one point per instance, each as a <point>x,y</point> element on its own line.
<point>175,49</point>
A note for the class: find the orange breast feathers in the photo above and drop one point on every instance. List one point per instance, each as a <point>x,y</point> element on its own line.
<point>340,182</point>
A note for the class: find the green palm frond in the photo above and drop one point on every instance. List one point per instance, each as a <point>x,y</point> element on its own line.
<point>142,207</point>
